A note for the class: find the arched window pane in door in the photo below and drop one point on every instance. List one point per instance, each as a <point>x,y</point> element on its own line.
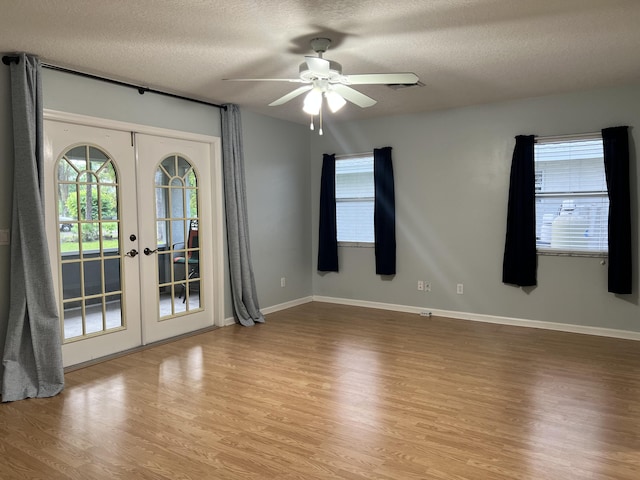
<point>178,240</point>
<point>89,243</point>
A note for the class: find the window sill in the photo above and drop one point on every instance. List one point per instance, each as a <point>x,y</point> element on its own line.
<point>356,244</point>
<point>565,253</point>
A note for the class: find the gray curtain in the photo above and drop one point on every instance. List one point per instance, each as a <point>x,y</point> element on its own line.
<point>243,285</point>
<point>32,358</point>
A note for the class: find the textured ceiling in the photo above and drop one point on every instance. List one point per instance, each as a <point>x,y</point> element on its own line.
<point>464,51</point>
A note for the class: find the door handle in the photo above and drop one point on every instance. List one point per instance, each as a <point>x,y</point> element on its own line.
<point>147,251</point>
<point>132,253</point>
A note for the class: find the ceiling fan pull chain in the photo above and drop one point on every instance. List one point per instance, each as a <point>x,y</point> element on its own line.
<point>311,127</point>
<point>320,113</point>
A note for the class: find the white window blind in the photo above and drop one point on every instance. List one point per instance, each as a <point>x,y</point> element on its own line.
<point>355,199</point>
<point>572,203</point>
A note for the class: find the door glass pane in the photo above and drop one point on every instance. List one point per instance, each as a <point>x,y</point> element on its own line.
<point>92,279</point>
<point>110,236</point>
<point>183,167</point>
<point>168,165</point>
<point>71,277</point>
<point>107,174</point>
<point>97,157</point>
<point>107,202</point>
<point>178,233</point>
<point>192,293</point>
<point>176,200</point>
<point>90,238</point>
<point>67,193</point>
<point>191,179</point>
<point>112,275</point>
<point>179,267</point>
<point>94,315</point>
<point>113,311</point>
<point>67,171</point>
<point>77,157</point>
<point>73,323</point>
<point>87,208</point>
<point>161,234</point>
<point>90,258</point>
<point>67,217</point>
<point>191,202</point>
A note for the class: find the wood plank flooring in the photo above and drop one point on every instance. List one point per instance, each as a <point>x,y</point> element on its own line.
<point>325,392</point>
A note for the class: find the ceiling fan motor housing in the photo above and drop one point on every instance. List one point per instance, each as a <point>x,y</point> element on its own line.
<point>335,72</point>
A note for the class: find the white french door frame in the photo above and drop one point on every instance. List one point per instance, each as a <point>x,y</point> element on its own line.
<point>217,192</point>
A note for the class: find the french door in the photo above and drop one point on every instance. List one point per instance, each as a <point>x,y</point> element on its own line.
<point>175,235</point>
<point>130,221</point>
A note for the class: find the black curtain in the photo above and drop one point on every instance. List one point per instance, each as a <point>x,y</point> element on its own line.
<point>520,261</point>
<point>328,230</point>
<point>384,216</point>
<point>616,165</point>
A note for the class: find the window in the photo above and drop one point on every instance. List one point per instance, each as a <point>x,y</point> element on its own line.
<point>572,202</point>
<point>355,199</point>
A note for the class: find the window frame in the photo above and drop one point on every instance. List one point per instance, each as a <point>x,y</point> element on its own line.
<point>539,179</point>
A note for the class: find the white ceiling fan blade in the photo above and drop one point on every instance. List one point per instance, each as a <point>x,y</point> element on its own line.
<point>380,79</point>
<point>354,96</point>
<point>291,95</point>
<point>291,80</point>
<point>318,66</point>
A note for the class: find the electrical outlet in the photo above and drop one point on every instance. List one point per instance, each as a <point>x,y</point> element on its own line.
<point>427,287</point>
<point>283,282</point>
<point>420,285</point>
<point>460,289</point>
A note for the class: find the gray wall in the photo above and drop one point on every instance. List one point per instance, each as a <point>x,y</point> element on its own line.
<point>75,94</point>
<point>278,198</point>
<point>451,175</point>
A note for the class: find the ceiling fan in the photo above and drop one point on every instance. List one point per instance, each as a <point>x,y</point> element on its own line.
<point>323,79</point>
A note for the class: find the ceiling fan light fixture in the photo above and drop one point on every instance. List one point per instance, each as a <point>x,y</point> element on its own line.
<point>313,102</point>
<point>334,100</point>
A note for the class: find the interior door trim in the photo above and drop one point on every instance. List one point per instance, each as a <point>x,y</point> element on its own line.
<point>215,145</point>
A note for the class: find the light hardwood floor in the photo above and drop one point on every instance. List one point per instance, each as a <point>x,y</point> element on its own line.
<point>324,391</point>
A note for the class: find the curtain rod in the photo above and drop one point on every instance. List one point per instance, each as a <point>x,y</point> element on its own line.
<point>8,59</point>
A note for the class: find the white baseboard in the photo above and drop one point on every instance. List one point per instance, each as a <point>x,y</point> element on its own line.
<point>285,305</point>
<point>476,317</point>
<point>274,308</point>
